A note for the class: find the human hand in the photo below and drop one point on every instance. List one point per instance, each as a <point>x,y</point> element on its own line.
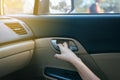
<point>66,53</point>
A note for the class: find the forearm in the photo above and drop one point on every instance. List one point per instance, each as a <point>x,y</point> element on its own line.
<point>83,70</point>
<point>69,56</point>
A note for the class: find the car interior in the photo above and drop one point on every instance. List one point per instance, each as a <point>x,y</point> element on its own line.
<point>28,42</point>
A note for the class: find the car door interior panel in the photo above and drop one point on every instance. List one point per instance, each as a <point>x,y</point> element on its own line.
<point>16,47</point>
<point>15,56</point>
<point>45,51</point>
<point>93,38</point>
<point>109,64</point>
<point>97,33</point>
<point>11,49</point>
<point>61,74</point>
<point>15,62</point>
<point>13,29</point>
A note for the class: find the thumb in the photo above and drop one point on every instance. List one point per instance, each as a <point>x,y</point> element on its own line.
<point>57,56</point>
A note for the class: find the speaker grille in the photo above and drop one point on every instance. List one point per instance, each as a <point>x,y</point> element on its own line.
<point>17,28</point>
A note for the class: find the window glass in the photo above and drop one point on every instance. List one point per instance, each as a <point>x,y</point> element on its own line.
<point>18,6</point>
<point>54,6</point>
<point>62,6</point>
<point>59,6</point>
<point>96,6</point>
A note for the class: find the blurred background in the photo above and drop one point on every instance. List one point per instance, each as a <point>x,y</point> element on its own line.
<point>60,6</point>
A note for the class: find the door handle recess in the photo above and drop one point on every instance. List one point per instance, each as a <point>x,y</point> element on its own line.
<point>61,74</point>
<point>71,44</point>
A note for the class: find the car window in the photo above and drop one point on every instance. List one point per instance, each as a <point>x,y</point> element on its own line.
<point>96,6</point>
<point>82,6</point>
<point>54,6</point>
<point>18,6</point>
<point>61,6</point>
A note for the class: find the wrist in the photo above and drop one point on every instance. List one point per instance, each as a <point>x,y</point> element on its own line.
<point>76,61</point>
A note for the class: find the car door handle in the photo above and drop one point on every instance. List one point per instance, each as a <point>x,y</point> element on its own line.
<point>71,44</point>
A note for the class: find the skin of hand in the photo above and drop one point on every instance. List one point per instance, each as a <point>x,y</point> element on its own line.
<point>69,56</point>
<point>66,53</point>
